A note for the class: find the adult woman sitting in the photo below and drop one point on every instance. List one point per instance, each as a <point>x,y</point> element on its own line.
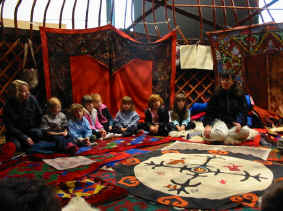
<point>226,113</point>
<point>22,116</point>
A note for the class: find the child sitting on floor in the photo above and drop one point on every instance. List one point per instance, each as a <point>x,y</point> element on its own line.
<point>156,116</point>
<point>91,116</point>
<point>78,126</point>
<point>179,118</point>
<point>54,126</point>
<point>126,120</point>
<point>103,114</point>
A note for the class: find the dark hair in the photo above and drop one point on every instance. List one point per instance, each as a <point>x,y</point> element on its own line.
<point>228,74</point>
<point>27,194</point>
<point>176,112</point>
<point>272,197</point>
<point>86,99</point>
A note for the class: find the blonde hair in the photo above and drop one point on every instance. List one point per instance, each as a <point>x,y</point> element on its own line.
<point>13,90</point>
<point>96,97</point>
<point>154,98</point>
<point>52,102</point>
<point>127,100</point>
<point>74,108</point>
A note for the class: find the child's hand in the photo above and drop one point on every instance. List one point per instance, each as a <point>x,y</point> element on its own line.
<point>110,128</point>
<point>123,129</point>
<point>29,141</point>
<point>183,127</point>
<point>178,128</point>
<point>65,133</point>
<point>207,131</point>
<point>238,126</point>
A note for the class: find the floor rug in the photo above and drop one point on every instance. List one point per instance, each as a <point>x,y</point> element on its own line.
<point>259,152</point>
<point>113,145</point>
<point>200,179</point>
<point>94,190</point>
<point>39,169</point>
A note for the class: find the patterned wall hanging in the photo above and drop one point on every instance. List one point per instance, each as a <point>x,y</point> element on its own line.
<point>232,46</point>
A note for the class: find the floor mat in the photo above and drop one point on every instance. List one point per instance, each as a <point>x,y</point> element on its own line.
<point>198,178</point>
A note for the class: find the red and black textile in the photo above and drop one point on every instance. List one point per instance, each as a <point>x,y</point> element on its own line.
<point>110,62</point>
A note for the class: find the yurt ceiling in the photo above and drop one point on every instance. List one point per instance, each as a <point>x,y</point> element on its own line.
<point>155,17</point>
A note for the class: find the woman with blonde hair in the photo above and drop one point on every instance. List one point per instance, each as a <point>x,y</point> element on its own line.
<point>156,116</point>
<point>22,115</point>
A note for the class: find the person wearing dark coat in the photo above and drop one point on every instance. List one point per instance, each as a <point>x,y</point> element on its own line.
<point>226,113</point>
<point>22,116</point>
<point>156,116</point>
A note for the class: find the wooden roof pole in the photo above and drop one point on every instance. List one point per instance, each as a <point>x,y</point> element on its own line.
<point>166,15</point>
<point>143,18</point>
<point>241,22</point>
<point>31,17</point>
<point>200,22</point>
<point>144,15</point>
<point>214,14</point>
<point>61,14</point>
<point>99,14</point>
<point>2,19</point>
<point>190,15</point>
<point>268,11</point>
<point>112,11</point>
<point>132,18</point>
<point>73,14</point>
<point>248,5</point>
<point>45,12</point>
<point>224,12</point>
<point>154,20</point>
<point>16,14</point>
<point>234,10</point>
<point>86,14</point>
<point>125,15</point>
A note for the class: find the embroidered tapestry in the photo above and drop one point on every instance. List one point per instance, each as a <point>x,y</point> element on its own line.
<point>232,46</point>
<point>106,60</point>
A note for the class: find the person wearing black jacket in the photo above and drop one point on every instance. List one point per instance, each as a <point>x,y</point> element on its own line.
<point>22,116</point>
<point>226,114</point>
<point>156,116</point>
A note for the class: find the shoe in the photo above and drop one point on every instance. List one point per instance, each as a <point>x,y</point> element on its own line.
<point>72,148</point>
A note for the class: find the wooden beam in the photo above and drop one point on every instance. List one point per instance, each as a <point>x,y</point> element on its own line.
<point>143,16</point>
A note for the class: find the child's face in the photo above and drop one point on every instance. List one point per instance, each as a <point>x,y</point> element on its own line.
<point>156,104</point>
<point>78,114</point>
<point>96,104</point>
<point>126,106</point>
<point>181,104</point>
<point>89,106</point>
<point>55,109</point>
<point>226,83</point>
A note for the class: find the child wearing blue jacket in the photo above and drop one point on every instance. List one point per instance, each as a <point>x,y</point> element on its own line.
<point>79,127</point>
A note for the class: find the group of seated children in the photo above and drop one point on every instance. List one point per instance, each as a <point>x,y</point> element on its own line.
<point>91,120</point>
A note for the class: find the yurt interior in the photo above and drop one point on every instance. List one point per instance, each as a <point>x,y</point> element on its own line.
<point>141,105</point>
